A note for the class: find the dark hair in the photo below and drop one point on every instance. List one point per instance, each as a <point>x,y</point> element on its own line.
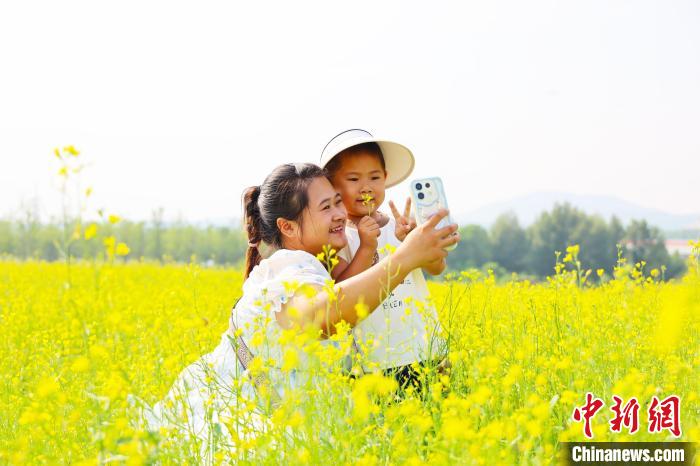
<point>283,194</point>
<point>371,148</point>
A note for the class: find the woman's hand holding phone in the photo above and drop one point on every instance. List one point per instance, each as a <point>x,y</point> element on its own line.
<point>426,244</point>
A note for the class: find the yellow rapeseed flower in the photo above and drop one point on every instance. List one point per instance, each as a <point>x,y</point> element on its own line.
<point>90,231</point>
<point>290,360</point>
<point>71,150</point>
<point>122,249</point>
<point>517,351</point>
<point>81,364</point>
<point>47,386</point>
<point>361,309</point>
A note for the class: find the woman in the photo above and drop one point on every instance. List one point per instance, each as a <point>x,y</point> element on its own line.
<point>297,212</point>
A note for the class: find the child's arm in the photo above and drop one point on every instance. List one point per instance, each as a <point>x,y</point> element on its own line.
<point>368,230</point>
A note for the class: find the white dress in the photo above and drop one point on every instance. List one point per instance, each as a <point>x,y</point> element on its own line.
<point>202,395</point>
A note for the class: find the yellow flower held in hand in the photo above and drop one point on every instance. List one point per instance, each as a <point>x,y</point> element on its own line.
<point>368,201</point>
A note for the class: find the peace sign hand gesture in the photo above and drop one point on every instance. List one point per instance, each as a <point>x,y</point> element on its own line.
<point>404,223</point>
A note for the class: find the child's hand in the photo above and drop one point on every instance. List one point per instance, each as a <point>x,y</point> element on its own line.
<point>404,223</point>
<point>368,230</point>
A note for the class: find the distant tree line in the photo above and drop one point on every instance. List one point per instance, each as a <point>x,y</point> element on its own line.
<point>153,240</point>
<point>506,247</point>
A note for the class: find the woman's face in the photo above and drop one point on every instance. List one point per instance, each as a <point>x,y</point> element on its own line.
<point>323,220</point>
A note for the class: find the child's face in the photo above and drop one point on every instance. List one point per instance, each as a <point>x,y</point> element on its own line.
<point>360,175</point>
<point>323,221</point>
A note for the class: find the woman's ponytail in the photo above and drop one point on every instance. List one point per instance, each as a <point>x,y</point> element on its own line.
<point>253,226</point>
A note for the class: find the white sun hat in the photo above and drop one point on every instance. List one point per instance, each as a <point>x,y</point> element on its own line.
<point>398,159</point>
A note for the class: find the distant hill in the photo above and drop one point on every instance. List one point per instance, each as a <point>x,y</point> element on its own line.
<point>529,206</point>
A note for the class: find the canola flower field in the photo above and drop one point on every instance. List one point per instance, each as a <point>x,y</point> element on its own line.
<point>77,339</point>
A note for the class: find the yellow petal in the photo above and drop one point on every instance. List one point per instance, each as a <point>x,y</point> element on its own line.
<point>122,249</point>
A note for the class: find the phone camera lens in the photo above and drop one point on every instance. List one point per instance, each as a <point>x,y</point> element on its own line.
<point>419,186</point>
<point>421,195</point>
<point>427,185</point>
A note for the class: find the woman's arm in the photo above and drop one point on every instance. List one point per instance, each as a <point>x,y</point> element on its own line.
<point>435,268</point>
<point>328,307</point>
<point>361,262</point>
<point>423,246</point>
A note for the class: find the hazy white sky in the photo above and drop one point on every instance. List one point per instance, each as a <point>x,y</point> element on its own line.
<point>183,104</point>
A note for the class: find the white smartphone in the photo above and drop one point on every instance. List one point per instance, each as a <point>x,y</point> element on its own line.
<point>428,196</point>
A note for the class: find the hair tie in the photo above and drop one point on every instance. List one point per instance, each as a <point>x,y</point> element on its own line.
<point>253,245</point>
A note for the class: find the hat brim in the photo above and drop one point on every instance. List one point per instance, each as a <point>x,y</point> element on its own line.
<point>398,159</point>
<point>399,162</point>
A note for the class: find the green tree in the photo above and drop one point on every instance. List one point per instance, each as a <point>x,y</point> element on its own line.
<point>7,237</point>
<point>154,247</point>
<point>553,231</point>
<point>598,241</point>
<point>643,242</point>
<point>473,249</point>
<point>511,245</point>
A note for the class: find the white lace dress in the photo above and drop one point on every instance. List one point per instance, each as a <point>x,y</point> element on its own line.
<point>201,396</point>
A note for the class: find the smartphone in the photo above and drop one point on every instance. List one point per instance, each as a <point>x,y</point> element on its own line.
<point>428,196</point>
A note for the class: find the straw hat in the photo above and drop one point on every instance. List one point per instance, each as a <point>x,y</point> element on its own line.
<point>398,159</point>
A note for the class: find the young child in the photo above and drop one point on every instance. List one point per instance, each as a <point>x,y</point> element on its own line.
<point>404,329</point>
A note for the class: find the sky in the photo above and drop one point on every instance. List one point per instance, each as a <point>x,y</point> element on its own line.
<point>181,105</point>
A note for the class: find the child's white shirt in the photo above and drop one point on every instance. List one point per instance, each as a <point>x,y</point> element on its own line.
<point>400,331</point>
